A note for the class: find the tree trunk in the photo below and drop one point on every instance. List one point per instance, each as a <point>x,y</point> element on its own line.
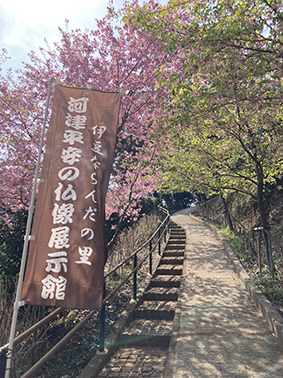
<point>206,210</point>
<point>227,213</point>
<point>263,218</point>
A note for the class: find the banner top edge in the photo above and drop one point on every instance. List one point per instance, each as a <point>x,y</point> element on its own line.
<point>121,91</point>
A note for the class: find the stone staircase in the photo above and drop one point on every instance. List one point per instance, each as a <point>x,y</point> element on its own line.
<point>151,322</point>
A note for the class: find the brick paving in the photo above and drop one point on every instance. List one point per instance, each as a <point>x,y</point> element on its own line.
<point>136,363</point>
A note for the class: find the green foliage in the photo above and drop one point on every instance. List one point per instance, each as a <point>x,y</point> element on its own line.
<point>225,107</point>
<point>274,294</point>
<point>271,288</point>
<point>178,200</point>
<point>234,241</point>
<point>244,257</point>
<point>148,205</point>
<point>12,232</point>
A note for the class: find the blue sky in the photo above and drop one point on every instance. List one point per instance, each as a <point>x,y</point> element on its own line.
<point>25,23</point>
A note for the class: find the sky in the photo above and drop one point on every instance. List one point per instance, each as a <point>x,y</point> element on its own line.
<point>24,24</point>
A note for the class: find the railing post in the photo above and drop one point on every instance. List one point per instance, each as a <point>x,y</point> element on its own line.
<point>3,359</point>
<point>135,278</point>
<point>159,242</point>
<point>150,257</point>
<point>269,249</point>
<point>267,238</point>
<point>258,250</point>
<point>165,232</point>
<point>102,324</point>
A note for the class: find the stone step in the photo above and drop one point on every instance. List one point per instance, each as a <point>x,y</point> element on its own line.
<point>156,310</point>
<point>161,294</point>
<point>177,237</point>
<point>173,224</point>
<point>166,281</point>
<point>145,332</point>
<point>169,269</point>
<point>172,260</point>
<point>174,247</point>
<point>178,230</point>
<point>173,252</point>
<point>177,242</point>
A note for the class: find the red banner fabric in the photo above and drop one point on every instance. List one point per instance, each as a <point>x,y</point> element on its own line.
<point>67,247</point>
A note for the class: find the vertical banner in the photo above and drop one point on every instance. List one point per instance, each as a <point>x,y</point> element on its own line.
<point>67,243</point>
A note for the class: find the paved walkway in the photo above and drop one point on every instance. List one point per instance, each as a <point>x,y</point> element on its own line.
<point>221,333</point>
<point>136,363</point>
<point>217,329</point>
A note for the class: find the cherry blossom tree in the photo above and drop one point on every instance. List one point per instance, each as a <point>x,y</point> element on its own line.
<point>20,122</point>
<point>226,92</point>
<point>112,57</point>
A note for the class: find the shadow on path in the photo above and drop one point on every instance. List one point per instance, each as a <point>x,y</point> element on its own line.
<point>220,332</point>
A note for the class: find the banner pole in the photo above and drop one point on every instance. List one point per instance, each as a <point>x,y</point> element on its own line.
<point>27,236</point>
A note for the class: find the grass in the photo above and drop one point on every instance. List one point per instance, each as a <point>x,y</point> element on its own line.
<point>234,241</point>
<point>272,288</point>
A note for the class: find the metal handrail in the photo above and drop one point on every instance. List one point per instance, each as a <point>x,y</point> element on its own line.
<point>33,328</point>
<point>139,249</point>
<point>132,273</point>
<point>114,291</point>
<point>63,341</point>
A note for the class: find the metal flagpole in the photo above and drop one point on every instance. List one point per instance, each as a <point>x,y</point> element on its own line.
<point>27,236</point>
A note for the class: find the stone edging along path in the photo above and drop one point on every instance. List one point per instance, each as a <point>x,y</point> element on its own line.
<point>270,314</point>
